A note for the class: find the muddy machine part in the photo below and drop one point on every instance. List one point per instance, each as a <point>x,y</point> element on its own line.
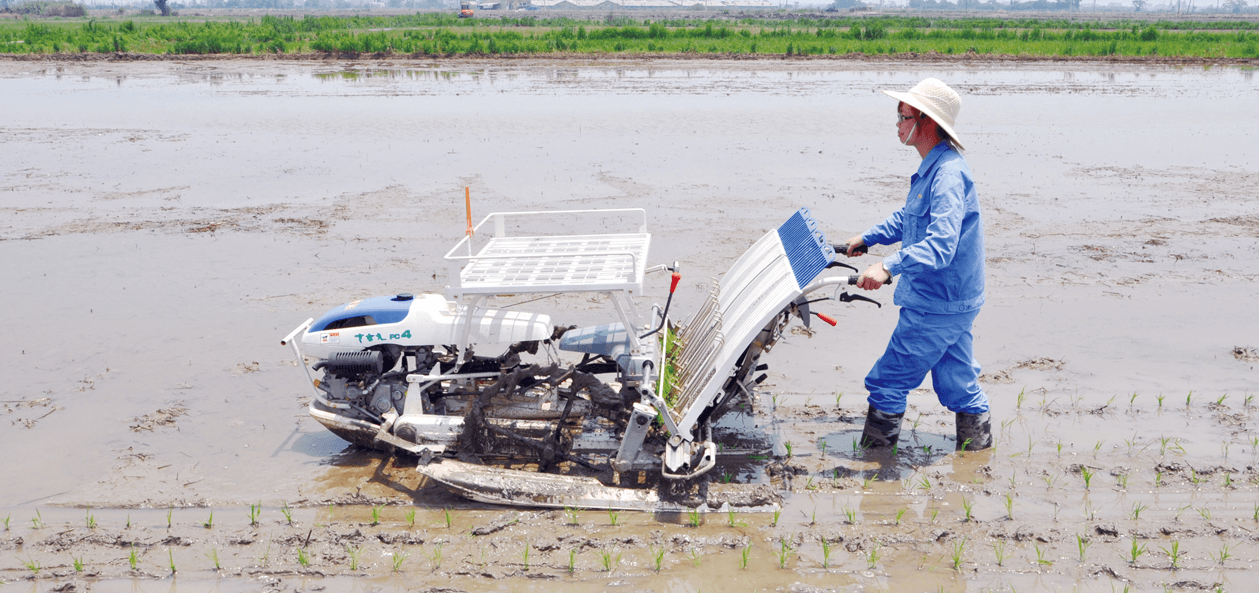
<point>630,426</point>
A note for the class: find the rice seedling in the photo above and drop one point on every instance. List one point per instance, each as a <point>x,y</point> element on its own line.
<point>896,449</point>
<point>1050,480</point>
<point>209,522</point>
<point>693,518</point>
<point>436,557</point>
<point>1256,515</point>
<point>726,477</point>
<point>1181,510</point>
<point>744,554</point>
<point>774,522</point>
<point>1189,399</point>
<point>6,522</point>
<point>1059,449</point>
<point>788,446</point>
<point>968,505</point>
<point>838,396</point>
<point>657,558</point>
<point>610,560</point>
<point>32,565</point>
<point>1222,556</point>
<point>866,483</point>
<point>169,511</point>
<point>1137,507</point>
<point>266,555</point>
<point>1160,400</point>
<point>696,557</point>
<point>959,548</point>
<point>90,521</point>
<point>303,558</point>
<point>821,444</point>
<point>1133,398</point>
<point>850,516</point>
<point>1097,448</point>
<point>1040,557</point>
<point>873,555</point>
<point>354,553</point>
<point>410,517</point>
<point>1220,401</point>
<point>899,514</point>
<point>397,558</point>
<point>287,511</point>
<point>1158,478</point>
<point>1082,544</point>
<point>37,522</point>
<point>254,511</point>
<point>572,516</point>
<point>1009,507</point>
<point>1013,481</point>
<point>934,511</point>
<point>1030,445</point>
<point>133,558</point>
<point>1174,554</point>
<point>170,555</point>
<point>376,514</point>
<point>572,560</point>
<point>923,483</point>
<point>213,555</point>
<point>78,563</point>
<point>826,553</point>
<point>1087,475</point>
<point>1135,552</point>
<point>1205,513</point>
<point>1193,477</point>
<point>1089,511</point>
<point>1122,481</point>
<point>524,555</point>
<point>450,520</point>
<point>733,520</point>
<point>1018,403</point>
<point>808,484</point>
<point>613,516</point>
<point>998,549</point>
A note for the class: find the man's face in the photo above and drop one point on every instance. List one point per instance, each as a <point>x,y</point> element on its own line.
<point>905,125</point>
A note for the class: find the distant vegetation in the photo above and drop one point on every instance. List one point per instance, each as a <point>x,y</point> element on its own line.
<point>48,8</point>
<point>436,34</point>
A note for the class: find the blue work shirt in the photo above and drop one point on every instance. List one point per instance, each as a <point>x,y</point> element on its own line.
<point>941,260</point>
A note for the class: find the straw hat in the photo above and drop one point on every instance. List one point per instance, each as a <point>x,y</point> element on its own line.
<point>937,100</point>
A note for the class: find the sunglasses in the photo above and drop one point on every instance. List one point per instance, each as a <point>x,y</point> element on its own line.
<point>901,117</point>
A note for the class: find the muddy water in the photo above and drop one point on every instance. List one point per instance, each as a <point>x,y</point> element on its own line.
<point>162,226</point>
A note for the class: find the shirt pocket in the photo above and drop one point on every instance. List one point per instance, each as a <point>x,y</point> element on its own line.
<point>917,217</point>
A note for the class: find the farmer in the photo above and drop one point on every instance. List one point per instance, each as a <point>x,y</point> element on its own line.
<point>941,265</point>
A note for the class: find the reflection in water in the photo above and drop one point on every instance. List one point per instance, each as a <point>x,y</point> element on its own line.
<point>388,74</point>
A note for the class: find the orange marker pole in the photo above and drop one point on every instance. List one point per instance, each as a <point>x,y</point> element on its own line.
<point>467,201</point>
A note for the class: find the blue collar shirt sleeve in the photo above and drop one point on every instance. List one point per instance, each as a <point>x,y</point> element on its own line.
<point>941,260</point>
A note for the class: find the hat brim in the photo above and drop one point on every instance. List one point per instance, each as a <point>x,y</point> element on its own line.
<point>913,101</point>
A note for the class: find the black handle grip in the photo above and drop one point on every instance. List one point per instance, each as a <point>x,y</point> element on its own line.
<point>852,279</point>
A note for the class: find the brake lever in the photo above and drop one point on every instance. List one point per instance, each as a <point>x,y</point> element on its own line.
<point>837,264</point>
<point>844,297</point>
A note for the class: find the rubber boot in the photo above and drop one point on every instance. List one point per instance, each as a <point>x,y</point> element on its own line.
<point>882,429</point>
<point>974,431</point>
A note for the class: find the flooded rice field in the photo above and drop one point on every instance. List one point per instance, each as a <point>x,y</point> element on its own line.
<point>163,226</point>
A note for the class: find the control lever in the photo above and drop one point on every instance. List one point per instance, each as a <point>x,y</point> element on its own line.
<point>673,287</point>
<point>848,298</point>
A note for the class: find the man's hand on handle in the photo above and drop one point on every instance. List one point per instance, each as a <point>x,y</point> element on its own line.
<point>874,277</point>
<point>855,247</point>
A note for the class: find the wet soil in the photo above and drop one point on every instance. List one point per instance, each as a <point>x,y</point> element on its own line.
<point>164,225</point>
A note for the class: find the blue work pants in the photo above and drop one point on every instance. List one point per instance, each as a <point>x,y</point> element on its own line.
<point>940,343</point>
